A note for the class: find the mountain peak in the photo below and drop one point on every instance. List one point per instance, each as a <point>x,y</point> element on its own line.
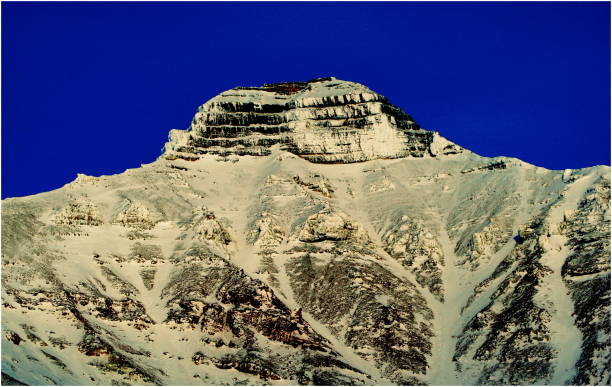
<point>431,269</point>
<point>324,120</point>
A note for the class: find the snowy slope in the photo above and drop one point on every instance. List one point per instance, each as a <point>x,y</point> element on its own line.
<point>264,267</point>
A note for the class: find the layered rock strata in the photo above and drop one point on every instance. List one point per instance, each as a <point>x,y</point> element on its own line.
<point>324,120</point>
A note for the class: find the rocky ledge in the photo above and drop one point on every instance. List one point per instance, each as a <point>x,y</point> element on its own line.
<point>324,120</point>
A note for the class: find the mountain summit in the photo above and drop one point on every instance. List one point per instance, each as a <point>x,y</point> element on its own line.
<point>310,233</point>
<point>324,120</point>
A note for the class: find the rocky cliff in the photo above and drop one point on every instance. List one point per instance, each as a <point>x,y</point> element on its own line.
<point>310,233</point>
<point>324,120</point>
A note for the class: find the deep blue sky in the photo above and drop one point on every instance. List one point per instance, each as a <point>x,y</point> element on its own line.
<point>94,88</point>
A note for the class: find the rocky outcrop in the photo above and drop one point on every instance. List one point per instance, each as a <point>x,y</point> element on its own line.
<point>79,212</point>
<point>383,318</point>
<point>136,215</point>
<point>529,330</point>
<point>205,226</point>
<point>331,225</point>
<point>587,274</point>
<point>416,247</point>
<point>509,338</point>
<point>324,120</point>
<point>235,312</point>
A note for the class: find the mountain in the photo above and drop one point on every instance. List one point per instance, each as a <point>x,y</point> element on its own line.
<point>310,233</point>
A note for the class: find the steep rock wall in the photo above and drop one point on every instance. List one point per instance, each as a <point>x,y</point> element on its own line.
<point>324,120</point>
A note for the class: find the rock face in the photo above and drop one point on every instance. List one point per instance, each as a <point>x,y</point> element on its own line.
<point>324,120</point>
<point>241,256</point>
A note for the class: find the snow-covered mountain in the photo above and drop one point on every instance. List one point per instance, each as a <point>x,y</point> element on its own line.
<point>310,233</point>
